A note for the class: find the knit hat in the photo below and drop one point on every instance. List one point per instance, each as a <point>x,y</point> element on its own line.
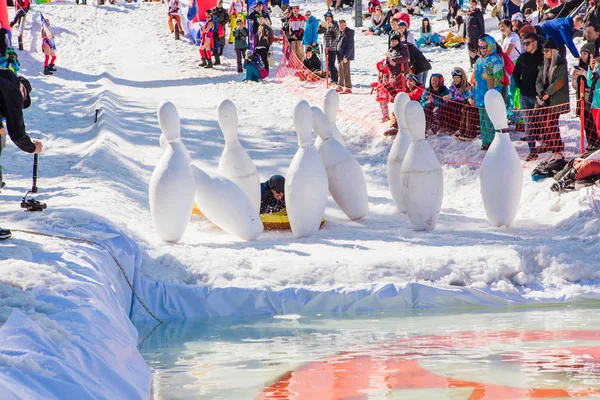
<point>25,82</point>
<point>402,23</point>
<point>277,183</point>
<point>550,44</point>
<point>412,77</point>
<point>526,29</point>
<point>249,53</point>
<point>396,38</point>
<point>588,48</point>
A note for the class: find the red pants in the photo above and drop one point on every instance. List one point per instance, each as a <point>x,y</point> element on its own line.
<point>586,168</point>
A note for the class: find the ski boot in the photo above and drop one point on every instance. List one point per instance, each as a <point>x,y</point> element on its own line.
<point>47,71</point>
<point>51,68</point>
<point>567,180</point>
<point>209,64</point>
<point>5,234</point>
<point>203,63</point>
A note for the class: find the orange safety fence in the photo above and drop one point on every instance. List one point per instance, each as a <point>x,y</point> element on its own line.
<point>539,133</point>
<point>291,67</point>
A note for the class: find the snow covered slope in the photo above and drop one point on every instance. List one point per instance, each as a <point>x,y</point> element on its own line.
<point>122,61</point>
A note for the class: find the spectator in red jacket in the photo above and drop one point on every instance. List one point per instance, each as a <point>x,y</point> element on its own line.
<point>415,89</point>
<point>296,27</point>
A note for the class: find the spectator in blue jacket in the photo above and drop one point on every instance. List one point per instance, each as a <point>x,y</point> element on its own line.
<point>561,30</point>
<point>345,54</point>
<point>310,38</point>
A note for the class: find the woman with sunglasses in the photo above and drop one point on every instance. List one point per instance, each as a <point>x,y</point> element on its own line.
<point>553,99</point>
<point>489,75</point>
<point>377,21</point>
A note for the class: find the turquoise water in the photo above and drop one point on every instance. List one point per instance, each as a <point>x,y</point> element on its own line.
<point>547,353</point>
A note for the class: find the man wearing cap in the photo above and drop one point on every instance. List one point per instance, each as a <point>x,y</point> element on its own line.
<point>14,97</point>
<point>272,197</point>
<point>331,31</point>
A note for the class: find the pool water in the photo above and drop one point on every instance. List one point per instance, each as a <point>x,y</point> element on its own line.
<point>518,354</point>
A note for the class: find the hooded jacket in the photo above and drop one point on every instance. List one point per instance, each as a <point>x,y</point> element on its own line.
<point>310,31</point>
<point>418,62</point>
<point>488,73</point>
<point>437,94</point>
<point>526,71</point>
<point>11,108</point>
<point>474,26</point>
<point>558,89</point>
<point>561,30</point>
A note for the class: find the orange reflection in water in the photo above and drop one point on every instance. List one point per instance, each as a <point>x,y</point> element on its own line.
<point>352,377</point>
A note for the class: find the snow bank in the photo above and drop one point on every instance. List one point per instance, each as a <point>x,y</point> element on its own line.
<point>66,332</point>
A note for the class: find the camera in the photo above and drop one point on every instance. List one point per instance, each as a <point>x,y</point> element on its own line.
<point>33,205</point>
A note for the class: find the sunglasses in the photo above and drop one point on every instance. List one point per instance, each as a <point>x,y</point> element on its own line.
<point>546,50</point>
<point>527,43</point>
<point>483,47</point>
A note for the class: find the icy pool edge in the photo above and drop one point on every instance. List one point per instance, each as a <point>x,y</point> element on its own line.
<point>96,356</point>
<point>174,301</point>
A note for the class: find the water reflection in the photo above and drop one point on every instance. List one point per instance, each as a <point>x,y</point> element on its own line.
<point>552,353</point>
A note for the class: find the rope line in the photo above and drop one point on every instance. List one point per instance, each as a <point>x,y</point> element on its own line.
<point>104,247</point>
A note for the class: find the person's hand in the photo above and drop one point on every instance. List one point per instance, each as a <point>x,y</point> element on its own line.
<point>550,16</point>
<point>314,44</point>
<point>345,60</point>
<point>447,97</point>
<point>2,131</point>
<point>546,96</point>
<point>471,101</point>
<point>392,62</point>
<point>38,146</point>
<point>430,99</point>
<point>427,42</point>
<point>539,101</point>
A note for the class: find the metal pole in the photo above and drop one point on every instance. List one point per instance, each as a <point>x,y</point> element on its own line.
<point>358,13</point>
<point>34,188</point>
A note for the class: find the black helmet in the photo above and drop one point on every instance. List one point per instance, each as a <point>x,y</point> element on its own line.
<point>277,183</point>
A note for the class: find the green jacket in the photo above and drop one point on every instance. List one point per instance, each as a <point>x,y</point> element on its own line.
<point>241,38</point>
<point>559,83</point>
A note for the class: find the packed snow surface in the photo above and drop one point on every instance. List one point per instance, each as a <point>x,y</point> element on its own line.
<point>122,61</point>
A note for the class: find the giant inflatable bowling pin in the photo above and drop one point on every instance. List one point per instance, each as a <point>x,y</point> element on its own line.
<point>331,103</point>
<point>421,172</point>
<point>306,182</point>
<point>501,174</point>
<point>346,178</point>
<point>398,151</point>
<point>235,163</point>
<point>172,182</point>
<point>226,205</point>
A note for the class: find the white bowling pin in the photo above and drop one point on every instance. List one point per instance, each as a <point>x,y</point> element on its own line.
<point>501,173</point>
<point>331,104</point>
<point>226,205</point>
<point>421,172</point>
<point>398,151</point>
<point>346,178</point>
<point>235,163</point>
<point>171,191</point>
<point>306,183</point>
<point>162,140</point>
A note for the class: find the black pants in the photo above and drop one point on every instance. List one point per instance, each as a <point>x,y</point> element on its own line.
<point>472,46</point>
<point>264,55</point>
<point>240,55</point>
<point>20,14</point>
<point>451,16</point>
<point>333,72</point>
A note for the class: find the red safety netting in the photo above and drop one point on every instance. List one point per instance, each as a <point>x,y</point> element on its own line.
<point>292,68</point>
